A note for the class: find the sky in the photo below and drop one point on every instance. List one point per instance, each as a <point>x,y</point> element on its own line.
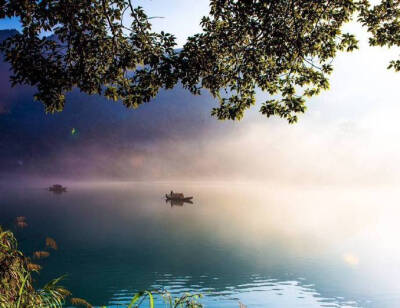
<point>347,136</point>
<point>179,17</point>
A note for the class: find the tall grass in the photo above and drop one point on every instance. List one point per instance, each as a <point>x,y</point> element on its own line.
<point>16,288</point>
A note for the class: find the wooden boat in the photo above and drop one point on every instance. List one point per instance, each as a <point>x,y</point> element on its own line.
<point>177,197</point>
<point>57,188</point>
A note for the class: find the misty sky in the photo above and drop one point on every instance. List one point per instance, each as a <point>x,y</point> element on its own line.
<point>348,135</point>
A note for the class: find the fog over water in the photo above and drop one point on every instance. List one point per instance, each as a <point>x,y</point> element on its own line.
<point>302,215</point>
<point>266,245</point>
<point>348,135</point>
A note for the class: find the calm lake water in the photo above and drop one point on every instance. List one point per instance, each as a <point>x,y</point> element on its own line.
<point>265,246</point>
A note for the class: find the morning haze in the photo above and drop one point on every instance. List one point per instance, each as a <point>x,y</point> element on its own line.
<point>165,200</point>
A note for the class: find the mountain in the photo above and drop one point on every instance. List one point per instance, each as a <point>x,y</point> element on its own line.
<point>92,134</point>
<point>4,34</point>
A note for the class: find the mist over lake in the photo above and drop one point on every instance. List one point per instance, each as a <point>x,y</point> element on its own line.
<point>321,247</point>
<point>166,198</point>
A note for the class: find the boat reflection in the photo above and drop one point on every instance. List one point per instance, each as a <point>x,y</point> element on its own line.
<point>177,202</point>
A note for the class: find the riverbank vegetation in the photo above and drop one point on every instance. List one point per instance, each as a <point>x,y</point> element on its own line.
<point>16,278</point>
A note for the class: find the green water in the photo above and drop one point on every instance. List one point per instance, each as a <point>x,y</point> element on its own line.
<point>265,246</point>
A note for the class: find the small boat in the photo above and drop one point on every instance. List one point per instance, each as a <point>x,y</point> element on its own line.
<point>57,188</point>
<point>177,197</point>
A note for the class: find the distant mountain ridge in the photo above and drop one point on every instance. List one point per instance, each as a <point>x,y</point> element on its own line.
<point>31,141</point>
<point>6,33</point>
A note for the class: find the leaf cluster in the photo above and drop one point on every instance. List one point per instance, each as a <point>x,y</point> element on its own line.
<point>91,49</point>
<point>107,47</point>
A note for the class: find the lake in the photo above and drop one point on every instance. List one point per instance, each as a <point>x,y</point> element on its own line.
<point>264,245</point>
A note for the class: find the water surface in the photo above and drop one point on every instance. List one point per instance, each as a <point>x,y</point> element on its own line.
<point>264,245</point>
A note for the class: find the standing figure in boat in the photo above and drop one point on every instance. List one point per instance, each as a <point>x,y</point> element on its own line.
<point>177,196</point>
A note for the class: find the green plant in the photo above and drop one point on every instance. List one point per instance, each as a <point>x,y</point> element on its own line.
<point>185,301</point>
<point>16,288</point>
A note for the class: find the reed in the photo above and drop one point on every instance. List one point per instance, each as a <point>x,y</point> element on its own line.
<point>16,270</point>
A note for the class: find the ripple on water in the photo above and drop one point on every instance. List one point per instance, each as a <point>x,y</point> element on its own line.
<point>258,293</point>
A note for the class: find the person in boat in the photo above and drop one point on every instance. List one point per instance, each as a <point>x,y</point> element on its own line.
<point>177,196</point>
<point>57,188</point>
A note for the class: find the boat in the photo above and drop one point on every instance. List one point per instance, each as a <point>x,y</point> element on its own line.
<point>57,188</point>
<point>177,197</point>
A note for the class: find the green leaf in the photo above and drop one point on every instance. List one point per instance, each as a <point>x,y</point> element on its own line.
<point>135,299</point>
<point>151,299</point>
<point>22,289</point>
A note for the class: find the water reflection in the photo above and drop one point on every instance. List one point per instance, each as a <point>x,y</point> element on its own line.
<point>264,246</point>
<point>176,202</point>
<point>257,292</point>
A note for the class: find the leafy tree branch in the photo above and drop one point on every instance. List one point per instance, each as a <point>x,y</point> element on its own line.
<point>107,47</point>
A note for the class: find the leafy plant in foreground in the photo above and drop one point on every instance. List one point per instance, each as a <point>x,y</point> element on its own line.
<point>185,301</point>
<point>16,282</point>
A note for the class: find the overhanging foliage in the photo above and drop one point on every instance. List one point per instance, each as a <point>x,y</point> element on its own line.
<point>107,47</point>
